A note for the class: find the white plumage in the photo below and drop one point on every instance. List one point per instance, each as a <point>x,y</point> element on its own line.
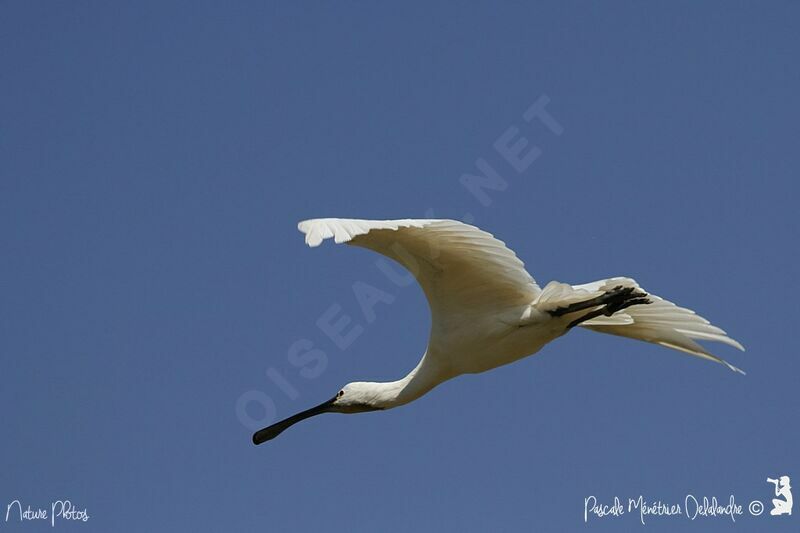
<point>487,311</point>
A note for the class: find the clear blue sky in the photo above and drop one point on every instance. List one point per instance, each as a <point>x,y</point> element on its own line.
<point>155,158</point>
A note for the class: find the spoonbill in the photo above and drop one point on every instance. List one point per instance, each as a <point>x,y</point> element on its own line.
<point>487,311</point>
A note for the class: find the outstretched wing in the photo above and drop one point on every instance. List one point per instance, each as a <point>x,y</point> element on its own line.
<point>461,268</point>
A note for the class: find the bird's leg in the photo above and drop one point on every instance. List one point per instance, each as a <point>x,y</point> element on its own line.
<point>617,293</point>
<point>608,310</point>
<point>579,306</point>
<point>588,316</point>
<point>612,301</point>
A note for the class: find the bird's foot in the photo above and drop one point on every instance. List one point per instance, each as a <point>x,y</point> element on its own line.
<point>621,297</point>
<point>612,301</point>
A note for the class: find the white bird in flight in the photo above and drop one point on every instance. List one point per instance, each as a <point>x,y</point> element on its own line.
<point>487,311</point>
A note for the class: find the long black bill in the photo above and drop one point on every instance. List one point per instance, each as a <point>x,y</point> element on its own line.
<point>270,432</point>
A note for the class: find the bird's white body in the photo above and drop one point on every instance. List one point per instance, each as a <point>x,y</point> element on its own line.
<point>487,311</point>
<point>456,352</point>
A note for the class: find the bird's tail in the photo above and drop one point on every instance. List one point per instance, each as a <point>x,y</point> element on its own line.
<point>658,321</point>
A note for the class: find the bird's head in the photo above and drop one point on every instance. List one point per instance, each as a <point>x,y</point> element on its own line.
<point>356,397</point>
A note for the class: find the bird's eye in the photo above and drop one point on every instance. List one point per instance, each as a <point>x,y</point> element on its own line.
<point>341,393</point>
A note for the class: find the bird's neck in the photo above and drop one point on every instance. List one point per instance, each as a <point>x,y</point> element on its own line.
<point>425,376</point>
